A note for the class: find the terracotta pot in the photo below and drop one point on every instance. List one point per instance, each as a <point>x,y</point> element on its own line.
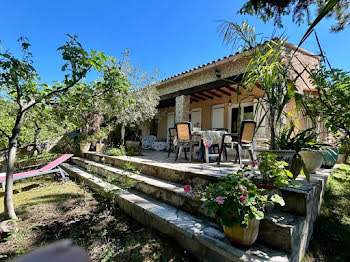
<point>99,147</point>
<point>243,236</point>
<point>313,159</point>
<point>132,144</point>
<point>341,158</point>
<point>84,146</point>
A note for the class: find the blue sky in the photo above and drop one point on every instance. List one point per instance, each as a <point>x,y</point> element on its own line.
<point>170,35</point>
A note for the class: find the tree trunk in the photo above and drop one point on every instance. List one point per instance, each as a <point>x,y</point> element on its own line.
<point>272,130</point>
<point>122,135</point>
<point>8,200</point>
<point>36,148</point>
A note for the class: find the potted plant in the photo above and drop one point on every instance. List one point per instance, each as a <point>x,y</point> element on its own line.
<point>196,127</point>
<point>98,138</point>
<point>237,205</point>
<point>288,139</point>
<point>312,156</point>
<point>85,143</point>
<point>133,135</point>
<point>344,150</point>
<point>273,176</point>
<point>330,156</point>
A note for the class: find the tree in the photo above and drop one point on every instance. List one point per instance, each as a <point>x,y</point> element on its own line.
<point>268,69</point>
<point>331,104</point>
<point>88,104</point>
<point>300,10</point>
<point>20,83</point>
<point>144,95</point>
<point>144,108</point>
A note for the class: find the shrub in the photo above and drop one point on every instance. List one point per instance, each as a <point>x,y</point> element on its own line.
<point>116,151</point>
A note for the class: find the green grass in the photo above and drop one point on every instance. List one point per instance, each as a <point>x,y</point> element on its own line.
<point>50,211</point>
<point>331,236</point>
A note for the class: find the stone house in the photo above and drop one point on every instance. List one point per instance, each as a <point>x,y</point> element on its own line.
<point>206,96</point>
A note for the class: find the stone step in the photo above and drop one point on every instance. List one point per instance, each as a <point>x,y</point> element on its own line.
<point>301,201</point>
<point>202,238</point>
<point>278,229</point>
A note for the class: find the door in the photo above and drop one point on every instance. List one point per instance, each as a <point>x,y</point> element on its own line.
<point>196,117</point>
<point>217,116</point>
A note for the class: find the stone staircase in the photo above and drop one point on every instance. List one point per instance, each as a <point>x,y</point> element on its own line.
<point>156,198</point>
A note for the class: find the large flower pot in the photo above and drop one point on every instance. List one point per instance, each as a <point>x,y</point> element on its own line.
<point>99,147</point>
<point>84,146</point>
<point>330,156</point>
<point>341,158</point>
<point>132,144</point>
<point>313,159</point>
<point>243,236</point>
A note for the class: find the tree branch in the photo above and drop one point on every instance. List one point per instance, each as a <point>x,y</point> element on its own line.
<point>4,133</point>
<point>50,94</point>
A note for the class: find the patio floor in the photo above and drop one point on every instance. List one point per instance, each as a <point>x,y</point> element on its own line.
<point>211,169</point>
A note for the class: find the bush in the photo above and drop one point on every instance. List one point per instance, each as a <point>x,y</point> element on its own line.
<point>116,151</point>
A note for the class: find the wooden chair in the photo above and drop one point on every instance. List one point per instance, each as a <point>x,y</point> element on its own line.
<point>245,141</point>
<point>172,135</point>
<point>184,139</point>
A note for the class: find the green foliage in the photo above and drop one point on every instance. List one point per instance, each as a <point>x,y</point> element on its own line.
<point>116,151</point>
<point>300,9</point>
<point>235,200</point>
<point>273,171</point>
<point>99,136</point>
<point>68,144</point>
<point>332,103</point>
<point>331,230</point>
<point>288,139</point>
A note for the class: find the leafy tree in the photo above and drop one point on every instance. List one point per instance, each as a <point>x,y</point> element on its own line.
<point>20,83</point>
<point>331,103</point>
<point>300,10</point>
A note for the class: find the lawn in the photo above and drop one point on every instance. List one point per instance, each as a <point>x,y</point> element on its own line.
<point>50,211</point>
<point>331,237</point>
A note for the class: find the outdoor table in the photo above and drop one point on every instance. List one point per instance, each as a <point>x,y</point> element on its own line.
<point>209,138</point>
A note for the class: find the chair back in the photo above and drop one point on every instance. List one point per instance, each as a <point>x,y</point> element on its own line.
<point>183,131</point>
<point>247,131</point>
<point>172,133</point>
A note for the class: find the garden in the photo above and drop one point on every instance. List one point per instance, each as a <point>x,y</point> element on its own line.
<point>106,118</point>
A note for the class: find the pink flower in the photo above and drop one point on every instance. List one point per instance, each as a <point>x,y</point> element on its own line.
<point>242,198</point>
<point>219,200</point>
<point>254,164</point>
<point>187,189</point>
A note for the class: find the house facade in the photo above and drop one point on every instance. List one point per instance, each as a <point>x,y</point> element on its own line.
<point>207,96</point>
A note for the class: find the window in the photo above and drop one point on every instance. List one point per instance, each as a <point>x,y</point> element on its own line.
<point>217,116</point>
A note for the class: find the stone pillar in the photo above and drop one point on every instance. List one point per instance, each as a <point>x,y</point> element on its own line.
<point>182,108</point>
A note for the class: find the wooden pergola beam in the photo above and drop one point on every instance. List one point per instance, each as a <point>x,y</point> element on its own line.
<point>231,88</point>
<point>213,93</point>
<point>194,100</point>
<point>205,95</point>
<point>198,97</point>
<point>224,92</point>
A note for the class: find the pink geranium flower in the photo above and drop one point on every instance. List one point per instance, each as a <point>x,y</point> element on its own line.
<point>242,198</point>
<point>219,200</point>
<point>187,189</point>
<point>254,164</point>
